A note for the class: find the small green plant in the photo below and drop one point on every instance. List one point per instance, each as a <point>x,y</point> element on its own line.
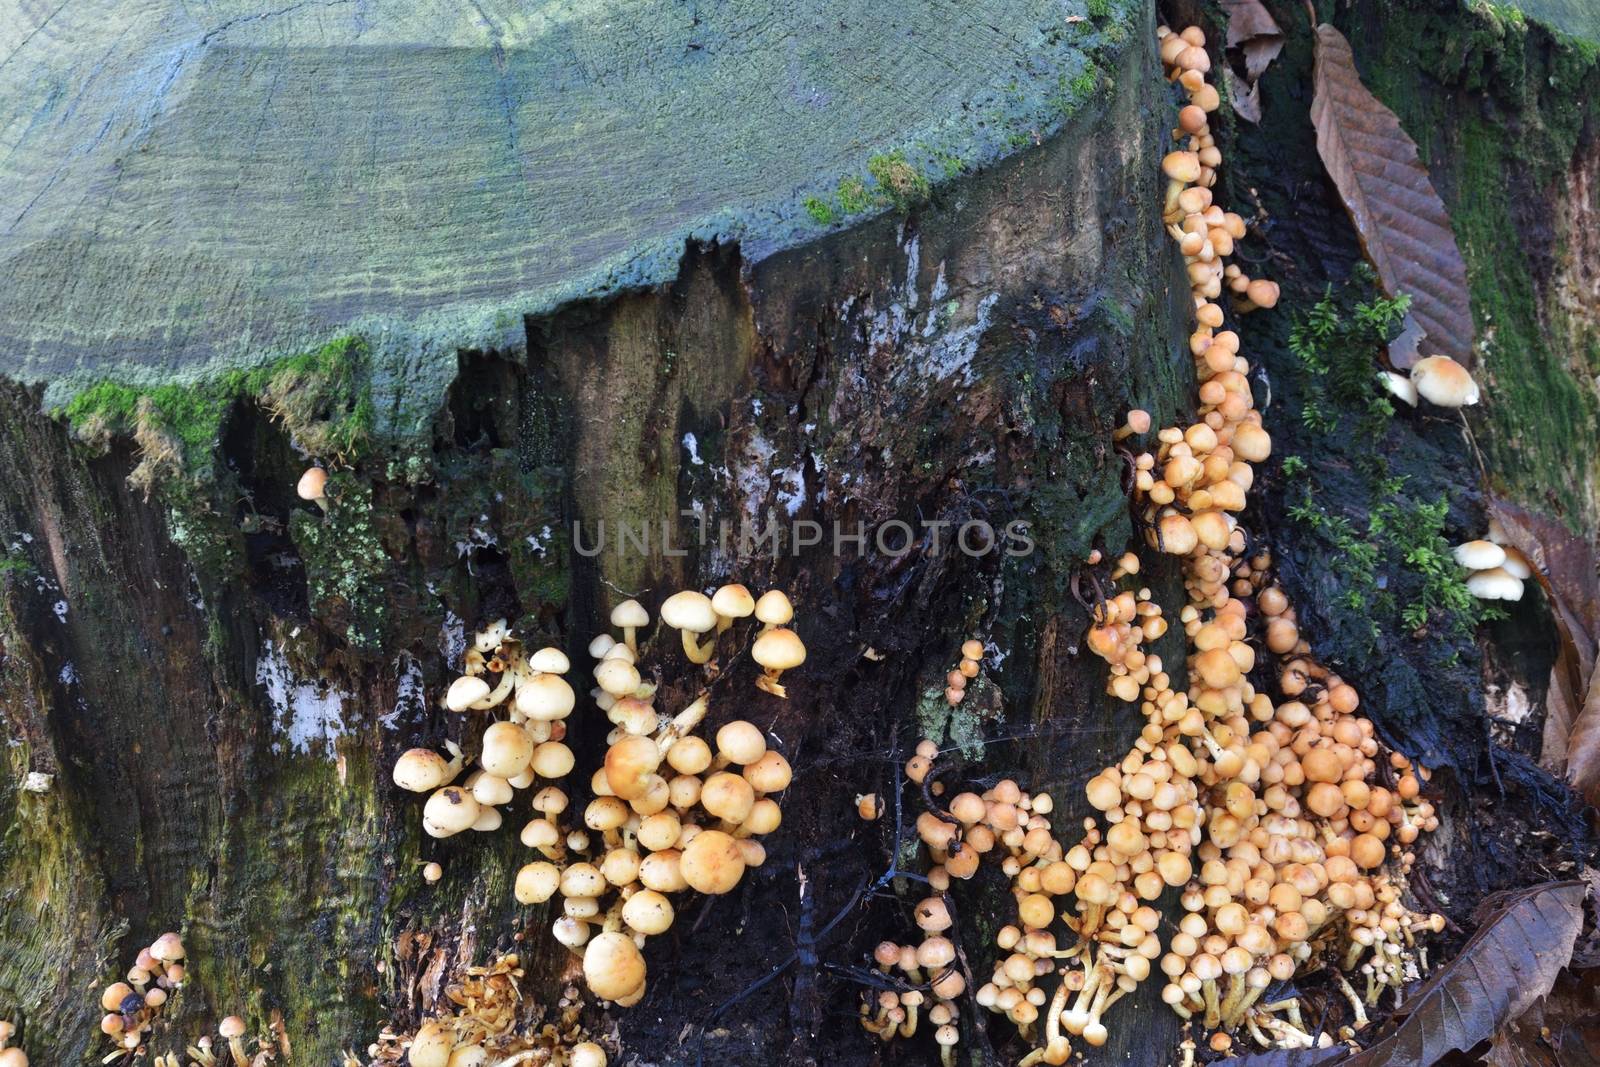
<point>1099,9</point>
<point>901,182</point>
<point>820,210</point>
<point>1336,343</point>
<point>1398,576</point>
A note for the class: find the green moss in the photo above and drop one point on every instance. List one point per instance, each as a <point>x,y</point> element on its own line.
<point>960,726</point>
<point>344,560</point>
<point>854,196</point>
<point>321,397</point>
<point>1498,106</point>
<point>897,179</point>
<point>1099,9</point>
<point>820,210</point>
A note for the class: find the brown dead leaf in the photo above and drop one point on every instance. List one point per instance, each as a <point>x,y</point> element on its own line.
<point>1252,30</point>
<point>1245,98</point>
<point>1401,221</point>
<point>1567,567</point>
<point>1511,961</point>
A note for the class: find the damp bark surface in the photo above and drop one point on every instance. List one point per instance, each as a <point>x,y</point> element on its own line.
<point>216,677</point>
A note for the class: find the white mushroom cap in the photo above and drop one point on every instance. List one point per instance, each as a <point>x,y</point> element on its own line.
<point>450,811</point>
<point>601,645</point>
<point>490,637</point>
<point>1398,386</point>
<point>774,608</point>
<point>1445,382</point>
<point>546,697</point>
<point>690,611</point>
<point>630,613</point>
<point>168,948</point>
<point>620,651</point>
<point>507,748</point>
<point>1480,555</point>
<point>465,692</point>
<point>617,677</point>
<point>1517,565</point>
<point>550,661</point>
<point>588,1054</point>
<point>489,819</point>
<point>537,883</point>
<point>420,770</point>
<point>1495,584</point>
<point>733,602</point>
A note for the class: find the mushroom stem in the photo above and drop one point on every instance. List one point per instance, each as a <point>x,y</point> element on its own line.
<point>236,1046</point>
<point>1213,1007</point>
<point>682,724</point>
<point>768,683</point>
<point>1355,1001</point>
<point>630,637</point>
<point>693,649</point>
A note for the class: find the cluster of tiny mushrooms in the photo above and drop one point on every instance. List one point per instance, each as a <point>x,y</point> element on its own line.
<point>133,1004</point>
<point>483,1029</point>
<point>669,813</point>
<point>1497,568</point>
<point>1284,825</point>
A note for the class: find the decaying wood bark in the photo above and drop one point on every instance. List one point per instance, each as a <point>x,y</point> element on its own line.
<point>208,681</point>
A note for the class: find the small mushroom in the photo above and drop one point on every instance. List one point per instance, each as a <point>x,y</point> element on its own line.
<point>588,1054</point>
<point>1496,583</point>
<point>777,650</point>
<point>1480,555</point>
<point>613,966</point>
<point>630,616</point>
<point>732,602</point>
<point>1443,381</point>
<point>691,613</point>
<point>421,770</point>
<point>313,485</point>
<point>432,872</point>
<point>507,750</point>
<point>465,692</point>
<point>1398,386</point>
<point>774,609</point>
<point>431,1047</point>
<point>450,811</point>
<point>232,1028</point>
<point>712,863</point>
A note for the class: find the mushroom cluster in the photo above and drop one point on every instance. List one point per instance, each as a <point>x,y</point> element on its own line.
<point>234,1032</point>
<point>131,1006</point>
<point>10,1056</point>
<point>1497,570</point>
<point>1300,821</point>
<point>488,1023</point>
<point>1285,824</point>
<point>955,683</point>
<point>668,812</point>
<point>515,752</point>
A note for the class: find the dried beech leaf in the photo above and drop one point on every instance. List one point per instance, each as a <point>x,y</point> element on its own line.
<point>1403,350</point>
<point>1511,961</point>
<point>1583,745</point>
<point>1254,32</point>
<point>1401,221</point>
<point>1245,97</point>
